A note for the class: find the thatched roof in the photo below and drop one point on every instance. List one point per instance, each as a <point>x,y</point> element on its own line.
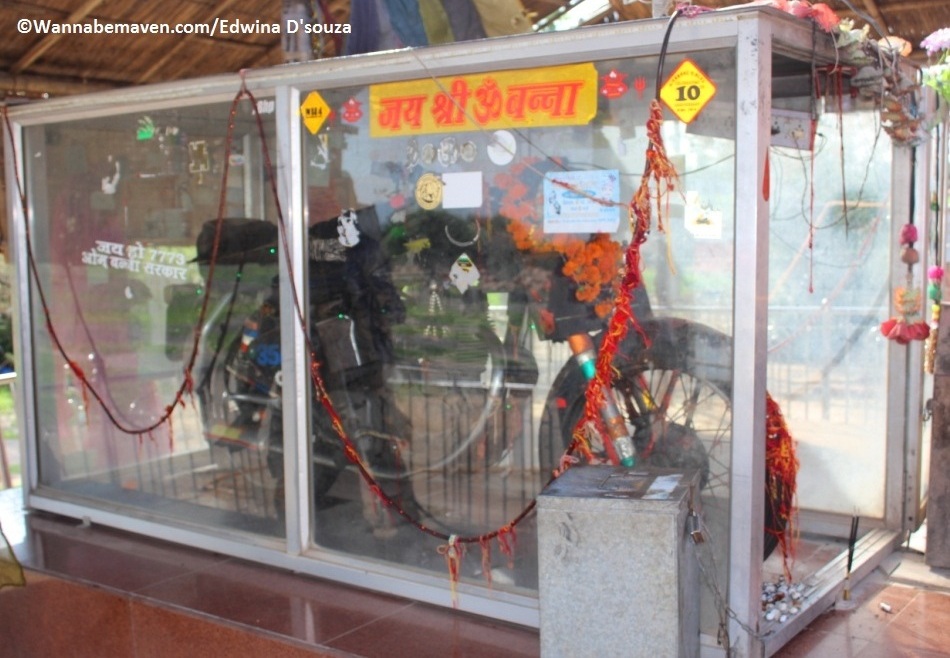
<point>33,64</point>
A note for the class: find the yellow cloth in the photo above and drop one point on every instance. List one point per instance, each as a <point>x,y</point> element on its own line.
<point>11,573</point>
<point>503,17</point>
<point>435,22</point>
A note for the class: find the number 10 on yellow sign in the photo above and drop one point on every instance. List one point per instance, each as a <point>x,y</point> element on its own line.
<point>687,91</point>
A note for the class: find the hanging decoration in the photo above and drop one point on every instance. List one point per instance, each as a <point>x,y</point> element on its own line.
<point>781,471</point>
<point>658,181</point>
<point>879,76</point>
<point>901,117</point>
<point>935,295</point>
<point>593,264</point>
<point>904,328</point>
<point>453,552</point>
<point>936,272</point>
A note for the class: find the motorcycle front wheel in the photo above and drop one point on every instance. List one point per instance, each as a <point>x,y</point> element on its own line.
<point>675,392</point>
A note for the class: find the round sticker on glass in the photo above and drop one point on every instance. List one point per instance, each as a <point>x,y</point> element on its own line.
<point>501,147</point>
<point>429,191</point>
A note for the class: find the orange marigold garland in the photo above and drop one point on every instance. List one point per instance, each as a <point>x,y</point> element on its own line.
<point>591,264</point>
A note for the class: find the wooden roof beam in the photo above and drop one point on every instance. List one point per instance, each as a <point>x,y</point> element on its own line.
<point>914,6</point>
<point>50,40</point>
<point>36,85</point>
<point>875,12</point>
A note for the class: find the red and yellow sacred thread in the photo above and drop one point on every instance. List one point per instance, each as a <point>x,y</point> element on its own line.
<point>658,180</point>
<point>781,473</point>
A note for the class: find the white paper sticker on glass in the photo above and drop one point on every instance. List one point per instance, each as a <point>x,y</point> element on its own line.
<point>462,189</point>
<point>582,201</point>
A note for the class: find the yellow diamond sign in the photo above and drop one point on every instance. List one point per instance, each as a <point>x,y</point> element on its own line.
<point>687,91</point>
<point>314,111</point>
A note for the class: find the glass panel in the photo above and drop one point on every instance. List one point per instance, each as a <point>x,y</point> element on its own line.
<point>442,304</point>
<point>124,228</point>
<point>829,292</point>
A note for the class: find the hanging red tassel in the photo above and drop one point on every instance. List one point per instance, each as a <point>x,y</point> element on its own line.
<point>485,545</point>
<point>781,467</point>
<point>506,542</point>
<point>453,553</point>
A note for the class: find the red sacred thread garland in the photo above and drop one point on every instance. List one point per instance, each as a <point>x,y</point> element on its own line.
<point>781,471</point>
<point>659,171</point>
<point>781,461</point>
<point>454,547</point>
<point>87,387</point>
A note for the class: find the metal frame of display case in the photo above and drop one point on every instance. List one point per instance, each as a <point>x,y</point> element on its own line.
<point>757,35</point>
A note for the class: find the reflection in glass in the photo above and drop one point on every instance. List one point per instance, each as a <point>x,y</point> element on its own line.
<point>124,211</point>
<point>442,331</point>
<point>829,291</point>
<point>446,272</point>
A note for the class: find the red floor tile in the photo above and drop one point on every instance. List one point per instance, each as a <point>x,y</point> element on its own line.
<point>923,626</point>
<point>817,644</point>
<point>423,632</point>
<point>160,633</point>
<point>52,617</point>
<point>292,605</point>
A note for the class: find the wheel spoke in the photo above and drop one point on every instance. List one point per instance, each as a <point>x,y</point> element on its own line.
<point>678,407</point>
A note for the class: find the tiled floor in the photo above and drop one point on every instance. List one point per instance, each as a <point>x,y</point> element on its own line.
<point>887,620</point>
<point>116,594</point>
<point>148,598</point>
<point>901,609</point>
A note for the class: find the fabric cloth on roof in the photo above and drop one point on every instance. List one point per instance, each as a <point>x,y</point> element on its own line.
<point>464,19</point>
<point>406,20</point>
<point>502,17</point>
<point>364,23</point>
<point>388,39</point>
<point>435,22</point>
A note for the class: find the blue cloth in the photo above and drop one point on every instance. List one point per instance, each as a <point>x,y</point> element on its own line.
<point>407,22</point>
<point>364,21</point>
<point>387,36</point>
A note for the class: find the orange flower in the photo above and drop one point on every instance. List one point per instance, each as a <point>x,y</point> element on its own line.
<point>587,293</point>
<point>590,264</point>
<point>517,190</point>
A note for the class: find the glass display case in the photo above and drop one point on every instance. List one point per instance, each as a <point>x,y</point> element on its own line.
<point>320,316</point>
